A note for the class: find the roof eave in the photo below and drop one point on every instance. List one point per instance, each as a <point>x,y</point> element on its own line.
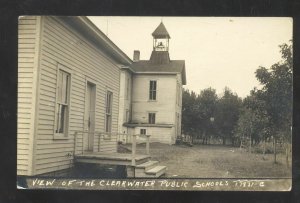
<point>156,72</point>
<point>128,68</point>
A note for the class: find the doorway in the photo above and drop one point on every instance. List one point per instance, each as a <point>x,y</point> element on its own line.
<point>89,117</point>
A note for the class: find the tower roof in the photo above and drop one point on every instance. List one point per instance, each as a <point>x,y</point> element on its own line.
<point>161,32</point>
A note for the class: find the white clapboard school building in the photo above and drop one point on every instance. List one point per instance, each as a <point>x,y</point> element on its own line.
<point>151,97</point>
<point>77,92</point>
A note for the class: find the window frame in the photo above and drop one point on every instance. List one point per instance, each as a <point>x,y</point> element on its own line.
<point>152,91</point>
<point>151,117</point>
<point>108,114</point>
<point>65,134</point>
<point>141,131</point>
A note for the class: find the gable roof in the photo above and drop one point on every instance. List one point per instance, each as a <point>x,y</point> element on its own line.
<point>97,37</point>
<point>173,67</point>
<point>161,32</point>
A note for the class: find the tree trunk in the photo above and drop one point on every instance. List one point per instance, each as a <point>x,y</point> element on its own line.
<point>241,142</point>
<point>250,149</point>
<point>287,155</point>
<point>224,140</point>
<point>274,149</point>
<point>264,150</point>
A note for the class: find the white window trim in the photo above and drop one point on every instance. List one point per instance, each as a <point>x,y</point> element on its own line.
<point>155,116</point>
<point>156,92</point>
<point>62,136</point>
<point>143,129</point>
<point>111,114</point>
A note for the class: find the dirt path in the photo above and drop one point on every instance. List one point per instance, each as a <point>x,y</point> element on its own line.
<point>208,161</point>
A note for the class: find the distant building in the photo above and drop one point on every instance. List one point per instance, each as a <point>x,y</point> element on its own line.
<point>151,92</point>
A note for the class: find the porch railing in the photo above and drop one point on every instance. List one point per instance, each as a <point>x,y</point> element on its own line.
<point>133,147</point>
<point>109,136</point>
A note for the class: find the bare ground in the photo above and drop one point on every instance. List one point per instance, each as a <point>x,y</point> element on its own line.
<point>216,161</point>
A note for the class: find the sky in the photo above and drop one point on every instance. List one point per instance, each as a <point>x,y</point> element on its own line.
<point>218,51</point>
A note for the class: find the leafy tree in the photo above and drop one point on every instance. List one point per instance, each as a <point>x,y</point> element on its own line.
<point>277,92</point>
<point>206,107</point>
<point>189,117</point>
<point>254,110</point>
<point>227,114</point>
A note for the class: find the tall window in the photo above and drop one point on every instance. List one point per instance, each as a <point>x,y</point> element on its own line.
<point>151,118</point>
<point>152,90</point>
<point>108,113</point>
<point>62,104</point>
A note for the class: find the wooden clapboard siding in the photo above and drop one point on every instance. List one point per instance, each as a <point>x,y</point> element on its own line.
<point>28,48</point>
<point>51,165</point>
<point>62,44</point>
<point>162,135</point>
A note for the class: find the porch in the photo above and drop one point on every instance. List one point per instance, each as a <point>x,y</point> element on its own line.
<point>111,158</point>
<point>137,165</point>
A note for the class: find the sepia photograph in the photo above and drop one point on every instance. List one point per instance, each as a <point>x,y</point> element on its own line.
<point>155,103</point>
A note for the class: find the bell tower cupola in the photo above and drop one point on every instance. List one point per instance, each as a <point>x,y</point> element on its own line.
<point>160,53</point>
<point>161,38</point>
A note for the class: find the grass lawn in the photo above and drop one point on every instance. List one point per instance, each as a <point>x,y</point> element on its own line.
<point>215,161</point>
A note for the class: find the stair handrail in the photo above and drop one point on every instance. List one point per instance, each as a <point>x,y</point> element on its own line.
<point>133,146</point>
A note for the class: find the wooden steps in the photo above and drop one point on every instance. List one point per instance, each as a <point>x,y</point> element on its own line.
<point>143,168</point>
<point>110,158</point>
<point>157,171</point>
<point>149,169</point>
<point>147,165</point>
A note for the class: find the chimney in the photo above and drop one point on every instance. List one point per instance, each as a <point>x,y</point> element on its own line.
<point>136,55</point>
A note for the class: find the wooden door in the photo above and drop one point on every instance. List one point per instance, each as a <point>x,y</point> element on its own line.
<point>89,117</point>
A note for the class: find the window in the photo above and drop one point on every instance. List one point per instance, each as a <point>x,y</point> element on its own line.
<point>143,131</point>
<point>151,118</point>
<point>152,90</point>
<point>62,103</point>
<point>108,113</point>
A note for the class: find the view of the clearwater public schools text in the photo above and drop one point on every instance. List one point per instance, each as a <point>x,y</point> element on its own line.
<point>154,97</point>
